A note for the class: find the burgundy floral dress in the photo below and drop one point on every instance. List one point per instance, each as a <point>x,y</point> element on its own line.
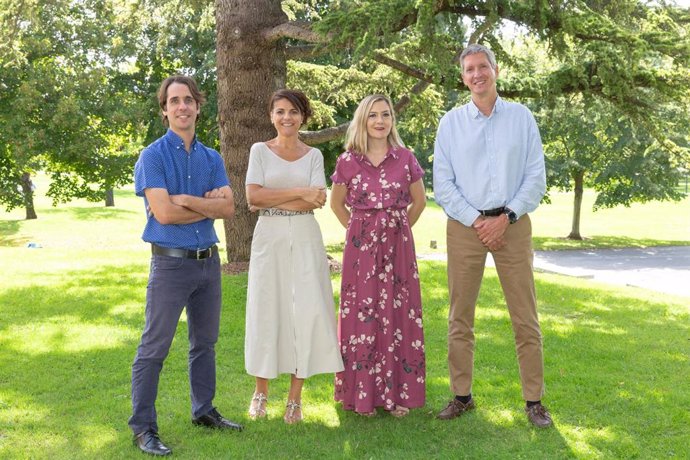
<point>380,321</point>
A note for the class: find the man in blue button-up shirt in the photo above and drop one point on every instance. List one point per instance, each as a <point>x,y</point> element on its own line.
<point>185,187</point>
<point>488,174</point>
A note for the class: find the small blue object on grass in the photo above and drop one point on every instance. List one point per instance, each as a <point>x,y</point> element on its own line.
<point>33,245</point>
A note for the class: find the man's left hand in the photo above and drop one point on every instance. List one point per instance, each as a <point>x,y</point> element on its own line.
<point>496,245</point>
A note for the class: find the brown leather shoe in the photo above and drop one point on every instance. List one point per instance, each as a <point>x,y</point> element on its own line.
<point>539,416</point>
<point>455,408</point>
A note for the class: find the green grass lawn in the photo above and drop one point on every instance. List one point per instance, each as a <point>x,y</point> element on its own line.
<point>617,359</point>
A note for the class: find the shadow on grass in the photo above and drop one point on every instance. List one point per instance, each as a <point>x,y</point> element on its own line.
<point>8,232</point>
<point>616,368</point>
<point>601,242</point>
<point>91,213</point>
<point>111,295</point>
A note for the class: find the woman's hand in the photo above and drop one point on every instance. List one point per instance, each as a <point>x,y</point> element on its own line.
<point>338,193</point>
<point>315,195</point>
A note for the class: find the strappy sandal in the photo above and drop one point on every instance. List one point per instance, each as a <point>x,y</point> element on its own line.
<point>257,407</point>
<point>291,414</point>
<point>400,411</point>
<point>367,414</point>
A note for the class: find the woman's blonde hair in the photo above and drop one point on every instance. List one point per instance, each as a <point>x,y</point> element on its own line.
<point>356,137</point>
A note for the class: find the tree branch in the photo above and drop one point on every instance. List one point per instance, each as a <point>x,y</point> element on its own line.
<point>404,101</point>
<point>299,30</point>
<point>323,135</point>
<point>483,27</point>
<point>441,6</point>
<point>404,68</point>
<point>301,52</point>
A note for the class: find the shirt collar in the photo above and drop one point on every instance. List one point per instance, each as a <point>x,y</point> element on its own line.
<point>498,105</point>
<point>392,151</point>
<point>172,137</point>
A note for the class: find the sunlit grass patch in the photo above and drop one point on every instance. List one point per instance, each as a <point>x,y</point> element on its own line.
<point>64,334</point>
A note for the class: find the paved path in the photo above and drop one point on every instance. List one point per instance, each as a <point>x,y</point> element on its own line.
<point>663,269</point>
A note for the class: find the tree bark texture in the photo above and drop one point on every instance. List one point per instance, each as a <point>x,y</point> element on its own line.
<point>28,191</point>
<point>250,68</point>
<point>579,177</point>
<point>109,198</point>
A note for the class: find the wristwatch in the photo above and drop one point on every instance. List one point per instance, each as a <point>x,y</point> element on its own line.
<point>512,217</point>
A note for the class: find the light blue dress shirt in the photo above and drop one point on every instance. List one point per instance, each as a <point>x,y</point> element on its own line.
<point>483,163</point>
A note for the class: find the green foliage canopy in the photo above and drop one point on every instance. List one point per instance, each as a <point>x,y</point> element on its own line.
<point>61,107</point>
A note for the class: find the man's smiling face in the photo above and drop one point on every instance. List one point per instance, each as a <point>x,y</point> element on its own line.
<point>478,75</point>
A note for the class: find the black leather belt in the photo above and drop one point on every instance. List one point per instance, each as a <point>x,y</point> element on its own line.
<point>492,212</point>
<point>197,254</point>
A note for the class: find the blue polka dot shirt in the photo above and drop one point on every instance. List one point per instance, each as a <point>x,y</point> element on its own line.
<point>166,164</point>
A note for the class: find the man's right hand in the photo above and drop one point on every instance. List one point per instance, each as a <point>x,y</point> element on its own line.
<point>479,227</point>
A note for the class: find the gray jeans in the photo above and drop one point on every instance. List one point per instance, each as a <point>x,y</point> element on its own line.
<point>173,284</point>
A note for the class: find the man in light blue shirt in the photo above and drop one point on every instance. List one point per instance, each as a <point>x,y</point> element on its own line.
<point>488,174</point>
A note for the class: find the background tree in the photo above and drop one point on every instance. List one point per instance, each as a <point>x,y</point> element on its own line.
<point>628,54</point>
<point>588,144</point>
<point>62,110</point>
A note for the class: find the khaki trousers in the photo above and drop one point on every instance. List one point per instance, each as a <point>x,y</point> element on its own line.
<point>466,259</point>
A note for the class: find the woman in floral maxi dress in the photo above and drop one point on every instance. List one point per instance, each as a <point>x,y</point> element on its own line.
<point>378,194</point>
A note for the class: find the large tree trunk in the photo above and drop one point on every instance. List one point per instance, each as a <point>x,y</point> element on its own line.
<point>579,177</point>
<point>109,198</point>
<point>28,191</point>
<point>249,68</point>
